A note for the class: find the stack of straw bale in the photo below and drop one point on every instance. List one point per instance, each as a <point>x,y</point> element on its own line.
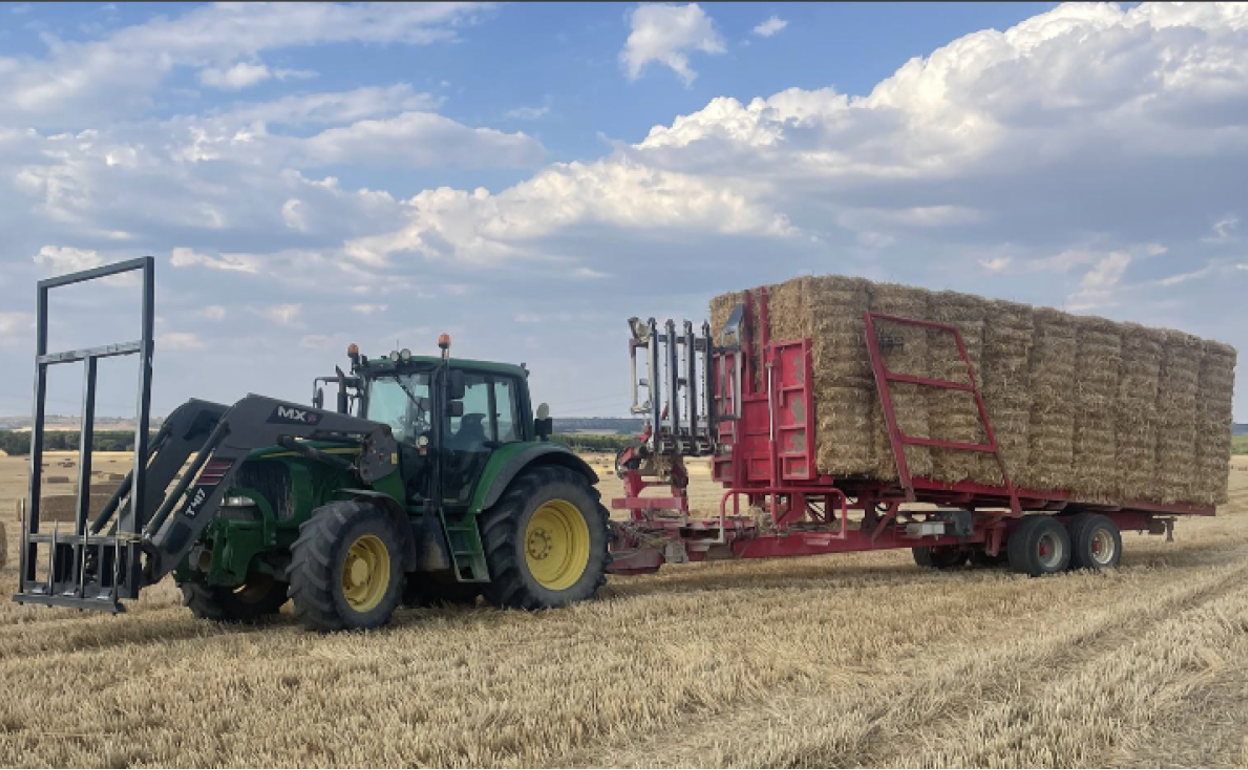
<point>1105,411</point>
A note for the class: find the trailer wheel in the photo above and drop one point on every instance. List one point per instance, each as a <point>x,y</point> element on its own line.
<point>1095,542</point>
<point>346,568</point>
<point>545,541</point>
<point>260,597</point>
<point>939,556</point>
<point>1039,545</point>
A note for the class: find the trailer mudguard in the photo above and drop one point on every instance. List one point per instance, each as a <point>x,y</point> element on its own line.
<point>506,465</point>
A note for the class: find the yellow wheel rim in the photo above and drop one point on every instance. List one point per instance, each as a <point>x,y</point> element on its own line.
<point>366,573</point>
<point>556,545</point>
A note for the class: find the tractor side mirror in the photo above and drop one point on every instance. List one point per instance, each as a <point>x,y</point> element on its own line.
<point>543,424</point>
<point>455,409</point>
<point>318,400</point>
<point>455,385</point>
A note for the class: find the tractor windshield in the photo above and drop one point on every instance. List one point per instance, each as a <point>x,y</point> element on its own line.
<point>402,402</point>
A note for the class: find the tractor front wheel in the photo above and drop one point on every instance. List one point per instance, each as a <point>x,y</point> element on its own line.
<point>261,596</point>
<point>545,541</point>
<point>346,568</point>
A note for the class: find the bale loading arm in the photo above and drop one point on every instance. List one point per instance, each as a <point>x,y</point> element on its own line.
<point>146,529</point>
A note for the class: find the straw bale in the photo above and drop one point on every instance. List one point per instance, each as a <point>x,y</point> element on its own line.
<point>1099,358</point>
<point>1216,385</point>
<point>1005,384</point>
<point>908,355</point>
<point>952,414</point>
<point>1051,435</point>
<point>1136,405</point>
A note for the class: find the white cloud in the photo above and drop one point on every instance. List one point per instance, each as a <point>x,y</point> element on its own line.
<point>1099,285</point>
<point>283,315</point>
<point>421,140</point>
<point>178,341</point>
<point>1224,230</point>
<point>67,259</point>
<point>118,74</point>
<point>770,27</point>
<point>294,215</point>
<point>666,34</point>
<point>527,318</point>
<point>213,313</point>
<point>238,263</point>
<point>481,227</point>
<point>995,264</point>
<point>1175,280</point>
<point>235,78</point>
<point>368,309</point>
<point>526,113</point>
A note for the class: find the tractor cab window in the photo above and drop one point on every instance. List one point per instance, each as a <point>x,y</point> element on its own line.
<point>491,418</point>
<point>402,402</point>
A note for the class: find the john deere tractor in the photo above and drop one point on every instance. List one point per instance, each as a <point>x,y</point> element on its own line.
<point>430,481</point>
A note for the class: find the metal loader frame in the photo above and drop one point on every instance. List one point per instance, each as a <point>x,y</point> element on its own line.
<point>114,554</point>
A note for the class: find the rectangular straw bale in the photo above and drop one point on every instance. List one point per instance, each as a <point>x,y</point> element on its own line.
<point>1216,385</point>
<point>1177,389</point>
<point>1005,384</point>
<point>1051,436</point>
<point>952,414</point>
<point>909,356</point>
<point>842,377</point>
<point>1098,361</point>
<point>1136,405</point>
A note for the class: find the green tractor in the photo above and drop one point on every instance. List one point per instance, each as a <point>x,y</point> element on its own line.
<point>431,481</point>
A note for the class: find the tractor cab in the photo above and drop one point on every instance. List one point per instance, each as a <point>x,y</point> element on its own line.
<point>448,416</point>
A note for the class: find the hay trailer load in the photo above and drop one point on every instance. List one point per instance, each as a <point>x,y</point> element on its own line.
<point>843,415</point>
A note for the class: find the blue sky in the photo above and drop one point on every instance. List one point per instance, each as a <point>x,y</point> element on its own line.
<point>528,176</point>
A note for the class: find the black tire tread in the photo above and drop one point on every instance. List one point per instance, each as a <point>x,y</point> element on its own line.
<point>216,603</point>
<point>311,566</point>
<point>499,532</point>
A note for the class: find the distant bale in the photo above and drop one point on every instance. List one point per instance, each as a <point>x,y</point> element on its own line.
<point>841,374</point>
<point>1051,433</point>
<point>55,508</point>
<point>1176,413</point>
<point>1216,385</point>
<point>1098,364</point>
<point>908,355</point>
<point>1005,384</point>
<point>4,546</point>
<point>57,480</point>
<point>1136,418</point>
<point>952,414</point>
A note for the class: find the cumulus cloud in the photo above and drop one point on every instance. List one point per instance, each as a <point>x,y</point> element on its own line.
<point>420,140</point>
<point>283,315</point>
<point>770,27</point>
<point>666,34</point>
<point>178,341</point>
<point>118,74</point>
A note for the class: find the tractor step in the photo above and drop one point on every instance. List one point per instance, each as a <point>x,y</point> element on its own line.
<point>463,539</point>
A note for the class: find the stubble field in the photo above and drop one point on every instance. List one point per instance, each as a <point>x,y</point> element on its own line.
<point>829,661</point>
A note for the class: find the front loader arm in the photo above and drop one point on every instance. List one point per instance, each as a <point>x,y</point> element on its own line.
<point>252,423</point>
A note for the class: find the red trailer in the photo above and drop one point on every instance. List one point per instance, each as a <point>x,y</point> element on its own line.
<point>702,401</point>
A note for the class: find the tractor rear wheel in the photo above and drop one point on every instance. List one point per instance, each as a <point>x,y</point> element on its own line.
<point>346,568</point>
<point>940,556</point>
<point>1095,542</point>
<point>1039,546</point>
<point>545,541</point>
<point>261,596</point>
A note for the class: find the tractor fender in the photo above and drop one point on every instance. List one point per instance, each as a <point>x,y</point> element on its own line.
<point>542,454</point>
<point>397,512</point>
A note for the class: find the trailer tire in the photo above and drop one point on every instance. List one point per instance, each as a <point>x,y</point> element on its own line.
<point>939,556</point>
<point>1039,546</point>
<point>260,597</point>
<point>346,568</point>
<point>1095,542</point>
<point>548,512</point>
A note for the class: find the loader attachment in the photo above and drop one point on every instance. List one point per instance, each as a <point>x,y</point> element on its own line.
<point>146,528</point>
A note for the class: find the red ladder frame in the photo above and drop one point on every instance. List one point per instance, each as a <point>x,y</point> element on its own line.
<point>898,439</point>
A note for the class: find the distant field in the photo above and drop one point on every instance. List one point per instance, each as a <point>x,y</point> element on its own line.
<point>827,661</point>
